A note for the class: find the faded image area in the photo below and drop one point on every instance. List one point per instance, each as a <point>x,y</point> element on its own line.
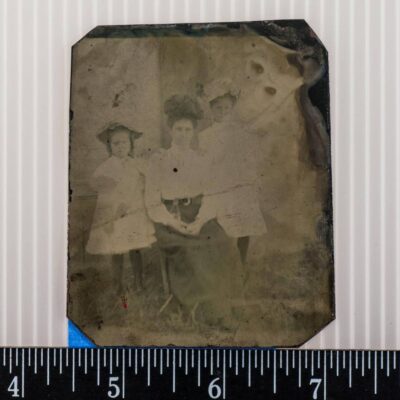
<point>200,209</point>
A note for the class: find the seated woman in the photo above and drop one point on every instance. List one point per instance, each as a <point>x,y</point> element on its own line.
<point>204,267</point>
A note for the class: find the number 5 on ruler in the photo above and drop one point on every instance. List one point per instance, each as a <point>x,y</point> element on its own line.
<point>316,381</point>
<point>114,391</point>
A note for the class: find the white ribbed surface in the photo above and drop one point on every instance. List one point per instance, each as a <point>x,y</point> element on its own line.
<point>363,40</point>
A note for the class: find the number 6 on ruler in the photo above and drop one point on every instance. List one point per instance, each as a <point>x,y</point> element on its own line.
<point>318,382</point>
<point>114,391</point>
<point>214,391</point>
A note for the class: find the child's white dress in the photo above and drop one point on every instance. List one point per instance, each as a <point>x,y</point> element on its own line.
<point>120,221</point>
<point>231,190</point>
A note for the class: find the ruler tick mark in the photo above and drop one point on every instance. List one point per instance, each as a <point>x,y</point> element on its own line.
<point>198,367</point>
<point>35,362</point>
<point>111,361</point>
<point>350,370</point>
<point>249,370</point>
<point>123,373</point>
<point>375,375</point>
<point>10,357</point>
<point>48,367</point>
<point>98,367</point>
<point>236,362</point>
<point>300,366</point>
<point>148,366</point>
<point>274,388</point>
<point>73,370</point>
<point>312,363</point>
<point>362,363</point>
<point>387,364</point>
<point>337,363</point>
<point>23,374</point>
<point>287,363</point>
<point>262,362</point>
<point>325,375</point>
<point>173,371</point>
<point>167,358</point>
<point>224,374</point>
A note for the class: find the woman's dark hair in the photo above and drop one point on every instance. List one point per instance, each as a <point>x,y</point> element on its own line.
<point>225,96</point>
<point>180,107</point>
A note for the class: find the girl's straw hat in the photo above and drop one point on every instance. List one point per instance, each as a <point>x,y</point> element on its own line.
<point>104,135</point>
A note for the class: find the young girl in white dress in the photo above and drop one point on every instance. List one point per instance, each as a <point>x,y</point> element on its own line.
<point>120,223</point>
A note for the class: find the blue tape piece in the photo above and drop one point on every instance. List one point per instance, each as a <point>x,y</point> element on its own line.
<point>76,338</point>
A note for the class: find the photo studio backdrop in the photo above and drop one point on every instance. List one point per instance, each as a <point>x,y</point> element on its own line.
<point>363,41</point>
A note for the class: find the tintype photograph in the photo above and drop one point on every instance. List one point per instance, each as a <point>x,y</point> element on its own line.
<point>200,208</point>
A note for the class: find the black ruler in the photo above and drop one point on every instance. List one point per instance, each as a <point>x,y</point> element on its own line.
<point>186,373</point>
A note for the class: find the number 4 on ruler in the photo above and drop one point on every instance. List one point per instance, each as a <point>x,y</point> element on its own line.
<point>13,388</point>
<point>316,381</point>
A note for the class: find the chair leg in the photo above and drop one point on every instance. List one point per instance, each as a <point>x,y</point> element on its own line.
<point>164,273</point>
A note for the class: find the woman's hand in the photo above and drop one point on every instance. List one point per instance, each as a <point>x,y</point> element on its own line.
<point>176,223</point>
<point>194,228</point>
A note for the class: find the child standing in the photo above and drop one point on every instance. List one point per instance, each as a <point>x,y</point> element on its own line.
<point>120,223</point>
<point>232,156</point>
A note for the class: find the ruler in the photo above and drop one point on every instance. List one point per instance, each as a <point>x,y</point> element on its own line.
<point>197,373</point>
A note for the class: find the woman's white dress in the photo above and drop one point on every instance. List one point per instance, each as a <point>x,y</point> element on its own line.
<point>231,189</point>
<point>120,221</point>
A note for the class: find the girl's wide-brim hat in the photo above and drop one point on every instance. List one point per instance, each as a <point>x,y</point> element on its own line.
<point>220,88</point>
<point>104,135</point>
